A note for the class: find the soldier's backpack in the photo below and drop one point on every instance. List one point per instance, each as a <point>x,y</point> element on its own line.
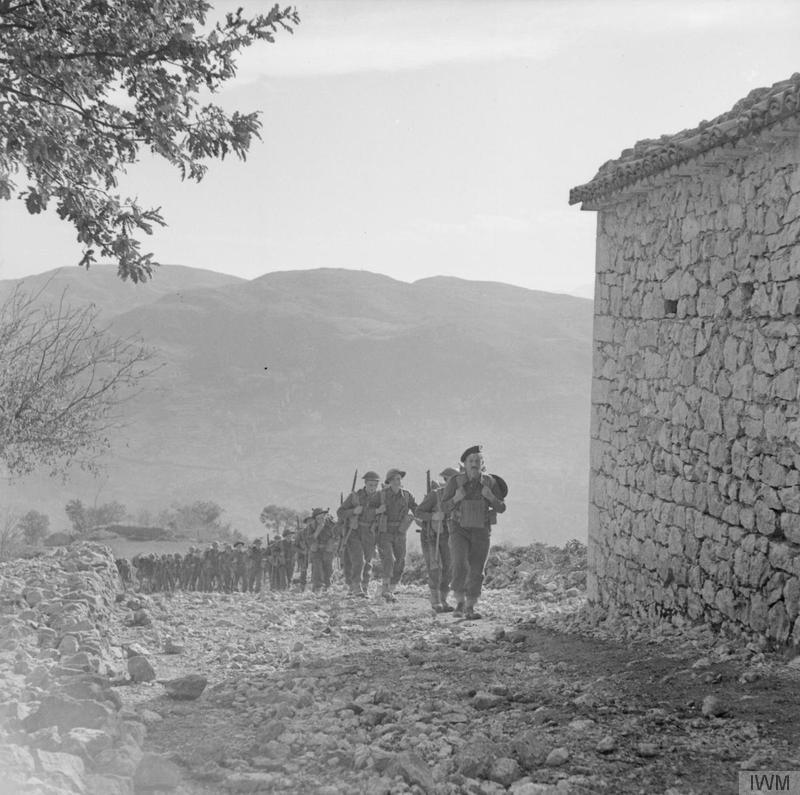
<point>473,514</point>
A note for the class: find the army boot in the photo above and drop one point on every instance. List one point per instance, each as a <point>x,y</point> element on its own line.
<point>459,611</point>
<point>386,592</point>
<point>469,611</point>
<point>446,608</point>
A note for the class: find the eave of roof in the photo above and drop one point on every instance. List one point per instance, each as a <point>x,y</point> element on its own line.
<point>761,108</point>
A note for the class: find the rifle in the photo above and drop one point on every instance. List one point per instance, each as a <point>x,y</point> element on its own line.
<point>428,482</point>
<point>346,536</point>
<point>438,523</point>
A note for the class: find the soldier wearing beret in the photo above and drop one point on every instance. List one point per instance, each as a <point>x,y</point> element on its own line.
<point>395,515</point>
<point>358,513</point>
<point>471,499</point>
<point>435,542</point>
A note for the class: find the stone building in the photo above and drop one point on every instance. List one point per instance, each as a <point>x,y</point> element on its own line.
<point>695,450</point>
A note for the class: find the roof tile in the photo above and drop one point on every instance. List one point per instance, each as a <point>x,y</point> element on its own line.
<point>761,108</point>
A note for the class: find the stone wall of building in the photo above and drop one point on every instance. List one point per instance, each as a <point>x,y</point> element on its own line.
<point>695,495</point>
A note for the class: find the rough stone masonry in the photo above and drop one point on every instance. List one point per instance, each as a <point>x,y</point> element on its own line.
<point>695,451</point>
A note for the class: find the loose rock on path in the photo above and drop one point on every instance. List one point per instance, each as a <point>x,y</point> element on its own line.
<point>328,695</point>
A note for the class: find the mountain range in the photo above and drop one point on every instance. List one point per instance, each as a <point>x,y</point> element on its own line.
<point>274,390</point>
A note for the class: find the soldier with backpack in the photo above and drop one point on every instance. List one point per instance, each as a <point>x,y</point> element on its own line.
<point>472,499</point>
<point>358,514</point>
<point>395,515</point>
<point>435,541</point>
<point>323,541</point>
<point>302,551</point>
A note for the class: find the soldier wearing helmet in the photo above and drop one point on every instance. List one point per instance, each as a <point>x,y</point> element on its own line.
<point>435,542</point>
<point>395,515</point>
<point>322,547</point>
<point>358,513</point>
<point>301,548</point>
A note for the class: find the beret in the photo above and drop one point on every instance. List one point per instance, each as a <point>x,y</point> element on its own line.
<point>476,448</point>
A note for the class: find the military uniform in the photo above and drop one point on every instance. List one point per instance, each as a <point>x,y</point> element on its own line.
<point>210,579</point>
<point>396,514</point>
<point>124,569</point>
<point>255,566</point>
<point>471,499</point>
<point>323,540</point>
<point>277,569</point>
<point>301,548</point>
<point>287,543</point>
<point>435,541</point>
<point>360,526</point>
<point>196,569</point>
<point>238,566</point>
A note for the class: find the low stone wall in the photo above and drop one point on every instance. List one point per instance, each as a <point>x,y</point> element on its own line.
<point>62,725</point>
<point>695,495</point>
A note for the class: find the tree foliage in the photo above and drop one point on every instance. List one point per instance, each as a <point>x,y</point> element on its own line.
<point>76,513</point>
<point>62,380</point>
<point>34,527</point>
<point>85,518</point>
<point>201,518</point>
<point>85,84</point>
<point>277,518</point>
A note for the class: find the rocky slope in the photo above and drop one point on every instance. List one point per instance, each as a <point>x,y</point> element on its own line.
<point>63,728</point>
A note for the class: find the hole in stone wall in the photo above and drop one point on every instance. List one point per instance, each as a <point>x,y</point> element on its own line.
<point>746,291</point>
<point>670,307</point>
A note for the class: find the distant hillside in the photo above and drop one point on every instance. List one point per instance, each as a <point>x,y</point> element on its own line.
<point>100,285</point>
<point>274,390</point>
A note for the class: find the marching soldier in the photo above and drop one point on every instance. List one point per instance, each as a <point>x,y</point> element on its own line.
<point>277,568</point>
<point>301,547</point>
<point>395,514</point>
<point>322,548</point>
<point>239,567</point>
<point>472,499</point>
<point>124,569</point>
<point>288,555</point>
<point>196,572</point>
<point>358,513</point>
<point>225,568</point>
<point>435,542</point>
<point>255,569</point>
<point>208,573</point>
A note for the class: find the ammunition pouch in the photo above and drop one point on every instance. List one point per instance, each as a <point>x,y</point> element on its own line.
<point>473,514</point>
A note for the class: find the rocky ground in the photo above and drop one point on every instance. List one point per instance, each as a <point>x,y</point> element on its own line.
<point>327,695</point>
<point>308,694</point>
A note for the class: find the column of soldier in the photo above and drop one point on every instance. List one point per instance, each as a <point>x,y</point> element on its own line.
<point>454,521</point>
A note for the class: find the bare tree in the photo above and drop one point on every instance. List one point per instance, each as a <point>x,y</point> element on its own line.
<point>10,534</point>
<point>62,381</point>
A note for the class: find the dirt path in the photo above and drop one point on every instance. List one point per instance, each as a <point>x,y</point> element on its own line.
<point>330,695</point>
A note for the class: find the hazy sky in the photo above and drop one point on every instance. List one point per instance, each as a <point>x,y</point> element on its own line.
<point>440,137</point>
